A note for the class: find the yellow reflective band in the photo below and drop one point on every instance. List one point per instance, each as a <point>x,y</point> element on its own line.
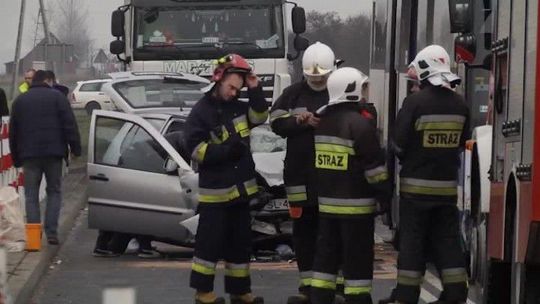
<point>278,114</point>
<point>455,278</point>
<point>340,280</point>
<point>441,139</point>
<point>220,198</point>
<point>305,282</point>
<point>24,87</point>
<point>346,210</point>
<point>200,152</point>
<point>318,283</point>
<point>409,281</point>
<point>241,126</point>
<point>357,290</point>
<point>203,269</point>
<point>219,140</point>
<point>297,197</point>
<point>237,273</point>
<point>451,191</point>
<point>257,117</point>
<point>439,126</point>
<point>381,177</point>
<point>319,147</point>
<point>251,187</point>
<point>332,160</point>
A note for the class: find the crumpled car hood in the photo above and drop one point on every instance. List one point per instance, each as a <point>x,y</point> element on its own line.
<point>270,167</point>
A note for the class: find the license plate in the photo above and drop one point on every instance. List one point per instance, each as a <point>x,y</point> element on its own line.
<point>277,205</point>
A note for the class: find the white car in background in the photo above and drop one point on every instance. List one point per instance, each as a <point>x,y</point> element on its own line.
<point>89,96</point>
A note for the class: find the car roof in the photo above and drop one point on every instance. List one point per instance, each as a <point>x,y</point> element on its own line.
<point>125,76</point>
<point>94,81</point>
<point>166,116</point>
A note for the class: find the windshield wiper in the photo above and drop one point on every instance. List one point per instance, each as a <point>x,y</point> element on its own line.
<point>223,44</point>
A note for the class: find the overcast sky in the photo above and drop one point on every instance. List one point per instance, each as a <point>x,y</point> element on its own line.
<point>99,20</point>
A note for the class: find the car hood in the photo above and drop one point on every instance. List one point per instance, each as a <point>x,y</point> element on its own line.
<point>270,167</point>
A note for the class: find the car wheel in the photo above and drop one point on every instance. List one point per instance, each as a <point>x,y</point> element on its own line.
<point>91,106</point>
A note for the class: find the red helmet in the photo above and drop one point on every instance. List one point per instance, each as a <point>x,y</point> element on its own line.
<point>231,63</point>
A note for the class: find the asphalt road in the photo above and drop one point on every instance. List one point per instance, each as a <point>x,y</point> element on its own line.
<point>78,277</point>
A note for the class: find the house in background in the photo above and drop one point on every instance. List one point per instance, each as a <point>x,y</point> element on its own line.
<point>53,55</point>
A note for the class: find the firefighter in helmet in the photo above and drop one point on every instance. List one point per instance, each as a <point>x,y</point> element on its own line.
<point>352,183</point>
<point>293,117</point>
<point>217,136</point>
<point>431,129</point>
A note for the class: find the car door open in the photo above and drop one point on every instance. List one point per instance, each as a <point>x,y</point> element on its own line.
<point>131,188</point>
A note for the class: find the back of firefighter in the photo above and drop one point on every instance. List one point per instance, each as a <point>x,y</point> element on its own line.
<point>352,177</point>
<point>292,117</point>
<point>217,135</point>
<point>431,128</point>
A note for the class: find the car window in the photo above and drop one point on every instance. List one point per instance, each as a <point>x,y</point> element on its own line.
<point>157,123</point>
<point>91,87</point>
<point>175,126</point>
<point>126,145</point>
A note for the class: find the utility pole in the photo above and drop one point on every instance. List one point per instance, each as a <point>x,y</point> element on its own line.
<point>47,33</point>
<point>18,50</point>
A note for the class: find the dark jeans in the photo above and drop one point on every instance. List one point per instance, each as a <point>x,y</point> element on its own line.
<point>34,169</point>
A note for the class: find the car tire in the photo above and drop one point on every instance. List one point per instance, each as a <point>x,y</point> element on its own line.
<point>91,106</point>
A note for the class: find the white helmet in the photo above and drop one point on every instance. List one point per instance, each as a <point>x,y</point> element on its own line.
<point>318,60</point>
<point>433,64</point>
<point>344,85</point>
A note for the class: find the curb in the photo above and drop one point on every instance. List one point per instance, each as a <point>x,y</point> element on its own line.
<point>49,252</point>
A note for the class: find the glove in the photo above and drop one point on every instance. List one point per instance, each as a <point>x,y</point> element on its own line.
<point>236,149</point>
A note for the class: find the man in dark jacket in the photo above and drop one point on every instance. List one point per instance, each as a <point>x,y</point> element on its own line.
<point>432,127</point>
<point>352,179</point>
<point>292,117</point>
<point>42,129</point>
<point>4,110</point>
<point>217,136</point>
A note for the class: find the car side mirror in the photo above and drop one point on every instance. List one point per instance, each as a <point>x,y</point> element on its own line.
<point>298,20</point>
<point>300,43</point>
<point>117,23</point>
<point>171,167</point>
<point>461,16</point>
<point>117,47</point>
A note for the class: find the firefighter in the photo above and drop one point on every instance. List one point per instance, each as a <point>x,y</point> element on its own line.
<point>217,135</point>
<point>352,178</point>
<point>431,128</point>
<point>292,117</point>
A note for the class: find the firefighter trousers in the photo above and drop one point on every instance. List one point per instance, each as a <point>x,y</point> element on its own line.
<point>345,243</point>
<point>430,226</point>
<point>304,242</point>
<point>224,233</point>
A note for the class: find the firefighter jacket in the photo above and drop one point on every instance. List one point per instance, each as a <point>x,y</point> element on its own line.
<point>350,164</point>
<point>217,136</point>
<point>431,127</point>
<point>299,173</point>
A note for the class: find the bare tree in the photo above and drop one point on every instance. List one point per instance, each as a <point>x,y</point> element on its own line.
<point>69,21</point>
<point>349,38</point>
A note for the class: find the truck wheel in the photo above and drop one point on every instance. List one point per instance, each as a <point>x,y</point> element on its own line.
<point>91,106</point>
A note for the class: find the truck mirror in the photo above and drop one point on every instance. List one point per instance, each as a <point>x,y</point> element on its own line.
<point>117,47</point>
<point>298,20</point>
<point>300,43</point>
<point>465,48</point>
<point>461,16</point>
<point>117,23</point>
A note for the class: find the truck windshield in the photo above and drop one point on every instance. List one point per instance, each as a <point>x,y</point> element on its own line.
<point>208,32</point>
